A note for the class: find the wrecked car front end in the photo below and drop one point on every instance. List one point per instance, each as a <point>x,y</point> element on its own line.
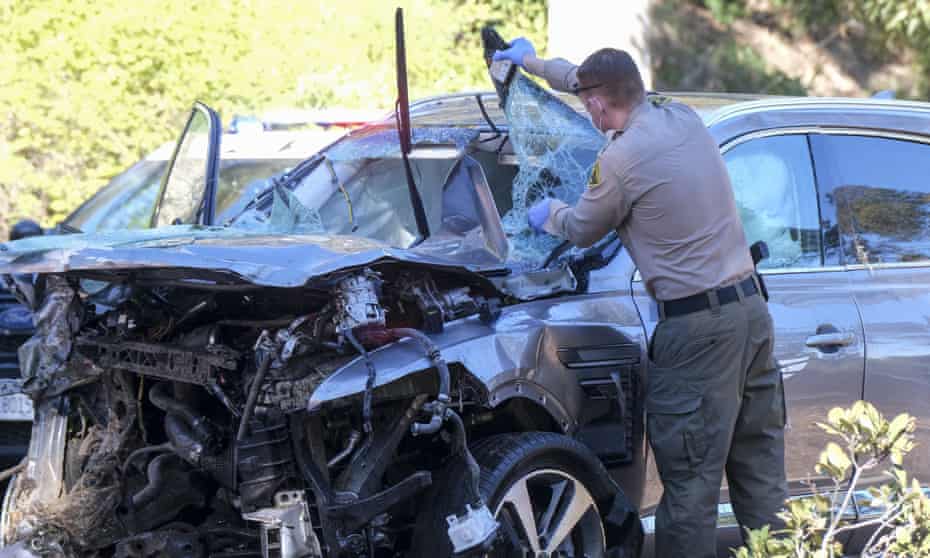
<point>317,377</point>
<point>223,408</point>
<point>160,397</point>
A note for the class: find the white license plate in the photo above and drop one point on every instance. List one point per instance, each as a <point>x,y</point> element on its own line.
<point>14,406</point>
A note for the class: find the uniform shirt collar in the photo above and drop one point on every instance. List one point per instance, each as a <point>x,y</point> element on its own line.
<point>637,112</point>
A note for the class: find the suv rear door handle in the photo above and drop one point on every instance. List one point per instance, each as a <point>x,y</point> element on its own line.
<point>838,339</point>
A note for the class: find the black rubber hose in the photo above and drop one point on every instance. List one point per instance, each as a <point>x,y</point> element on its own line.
<point>253,397</point>
<point>369,382</point>
<point>310,472</point>
<point>432,352</point>
<point>471,466</point>
<point>161,398</point>
<point>156,475</point>
<point>165,401</point>
<point>160,448</point>
<point>183,441</point>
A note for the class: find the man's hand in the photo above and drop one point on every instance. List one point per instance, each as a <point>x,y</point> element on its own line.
<point>518,50</point>
<point>538,215</point>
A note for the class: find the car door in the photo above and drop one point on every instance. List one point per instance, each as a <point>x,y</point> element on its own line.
<point>188,190</point>
<point>875,191</point>
<point>818,334</point>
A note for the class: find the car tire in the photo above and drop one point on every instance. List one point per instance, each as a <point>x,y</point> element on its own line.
<point>543,471</point>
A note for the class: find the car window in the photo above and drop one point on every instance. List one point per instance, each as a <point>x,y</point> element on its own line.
<point>773,182</point>
<point>241,180</point>
<point>124,203</point>
<point>876,198</point>
<point>184,197</point>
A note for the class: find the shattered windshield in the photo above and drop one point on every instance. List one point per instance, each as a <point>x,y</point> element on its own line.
<point>359,187</point>
<point>556,148</point>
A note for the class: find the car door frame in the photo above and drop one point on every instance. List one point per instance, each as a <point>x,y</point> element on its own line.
<point>862,496</point>
<point>726,517</point>
<point>211,175</point>
<point>839,269</point>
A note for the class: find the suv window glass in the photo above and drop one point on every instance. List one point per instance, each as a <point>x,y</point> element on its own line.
<point>773,182</point>
<point>125,203</point>
<point>876,198</point>
<point>241,180</point>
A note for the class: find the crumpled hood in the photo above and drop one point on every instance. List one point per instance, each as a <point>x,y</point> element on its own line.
<point>258,258</point>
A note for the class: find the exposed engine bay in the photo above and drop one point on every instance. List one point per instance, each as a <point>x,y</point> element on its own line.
<point>178,424</point>
<point>319,377</point>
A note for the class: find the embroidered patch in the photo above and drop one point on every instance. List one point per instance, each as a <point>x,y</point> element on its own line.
<point>595,176</point>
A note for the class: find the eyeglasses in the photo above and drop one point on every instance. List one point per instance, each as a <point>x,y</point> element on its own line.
<point>578,90</point>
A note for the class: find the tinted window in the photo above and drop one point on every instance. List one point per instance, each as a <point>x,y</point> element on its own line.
<point>124,203</point>
<point>773,182</point>
<point>876,198</point>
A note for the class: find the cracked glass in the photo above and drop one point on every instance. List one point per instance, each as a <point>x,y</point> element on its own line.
<point>556,148</point>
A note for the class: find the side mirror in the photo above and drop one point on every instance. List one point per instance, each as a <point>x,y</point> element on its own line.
<point>188,188</point>
<point>25,229</point>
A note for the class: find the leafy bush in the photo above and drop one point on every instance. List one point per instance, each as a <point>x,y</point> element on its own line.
<point>813,525</point>
<point>890,25</point>
<point>90,87</point>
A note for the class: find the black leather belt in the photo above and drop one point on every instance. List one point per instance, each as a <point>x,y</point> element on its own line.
<point>701,301</point>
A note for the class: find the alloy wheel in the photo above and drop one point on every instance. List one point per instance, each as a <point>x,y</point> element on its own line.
<point>549,514</point>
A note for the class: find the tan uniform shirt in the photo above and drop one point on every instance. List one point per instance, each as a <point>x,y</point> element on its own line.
<point>662,184</point>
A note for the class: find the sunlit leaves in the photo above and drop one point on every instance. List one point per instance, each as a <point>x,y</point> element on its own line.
<point>813,526</point>
<point>88,88</point>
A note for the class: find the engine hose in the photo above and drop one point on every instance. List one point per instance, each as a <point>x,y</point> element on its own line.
<point>253,397</point>
<point>369,383</point>
<point>354,437</point>
<point>160,448</point>
<point>433,354</point>
<point>183,441</point>
<point>156,475</point>
<point>164,401</point>
<point>471,466</point>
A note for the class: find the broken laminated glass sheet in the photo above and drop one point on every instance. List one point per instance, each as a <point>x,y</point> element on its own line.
<point>556,149</point>
<point>287,216</point>
<point>384,143</point>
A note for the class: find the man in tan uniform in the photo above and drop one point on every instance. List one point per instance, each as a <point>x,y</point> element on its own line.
<point>715,399</point>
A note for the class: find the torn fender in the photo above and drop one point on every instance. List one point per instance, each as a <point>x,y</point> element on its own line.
<point>503,357</point>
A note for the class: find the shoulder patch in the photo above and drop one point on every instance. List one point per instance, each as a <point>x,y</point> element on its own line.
<point>595,175</point>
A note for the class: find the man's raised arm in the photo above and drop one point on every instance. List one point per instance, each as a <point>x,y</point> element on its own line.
<point>561,74</point>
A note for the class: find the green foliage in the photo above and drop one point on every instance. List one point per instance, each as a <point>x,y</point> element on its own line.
<point>725,11</point>
<point>814,525</point>
<point>889,25</point>
<point>687,56</point>
<point>90,87</point>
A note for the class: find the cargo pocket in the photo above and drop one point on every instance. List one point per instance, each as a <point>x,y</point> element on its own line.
<point>675,423</point>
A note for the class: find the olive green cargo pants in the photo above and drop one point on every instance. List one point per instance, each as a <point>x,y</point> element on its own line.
<point>715,402</point>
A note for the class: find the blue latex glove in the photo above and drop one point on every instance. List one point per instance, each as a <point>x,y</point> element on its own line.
<point>538,215</point>
<point>518,49</point>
